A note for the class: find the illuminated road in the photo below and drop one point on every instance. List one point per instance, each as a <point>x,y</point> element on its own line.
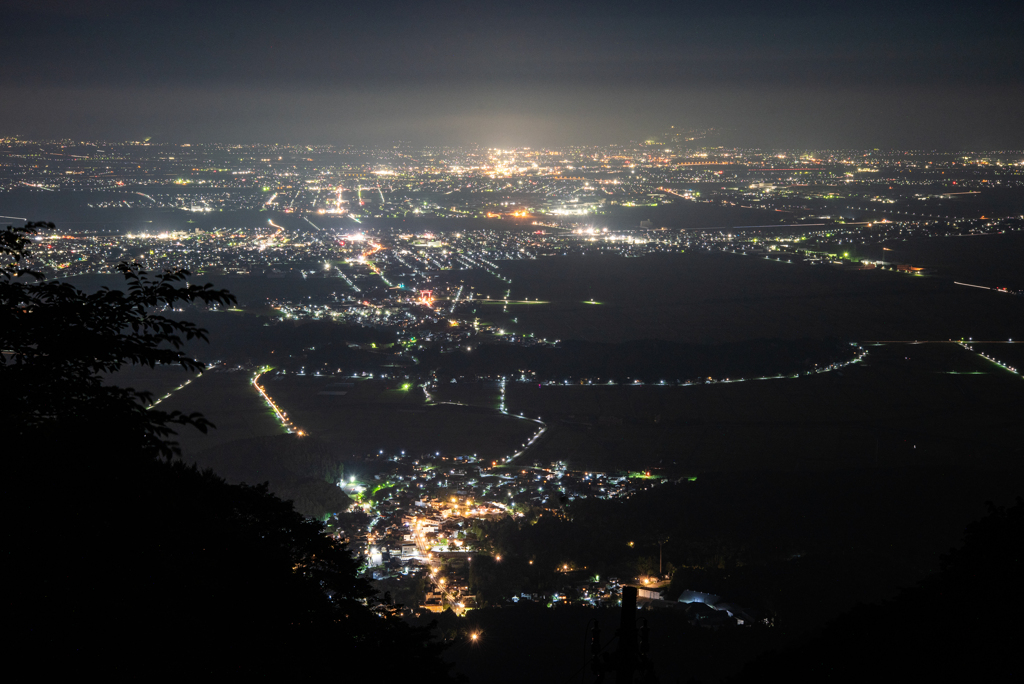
<point>168,395</point>
<point>457,606</point>
<point>1001,364</point>
<point>504,411</point>
<point>281,415</point>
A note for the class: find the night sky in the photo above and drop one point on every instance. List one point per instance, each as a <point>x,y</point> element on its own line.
<point>797,74</point>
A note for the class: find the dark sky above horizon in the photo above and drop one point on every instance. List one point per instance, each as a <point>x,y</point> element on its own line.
<point>790,73</point>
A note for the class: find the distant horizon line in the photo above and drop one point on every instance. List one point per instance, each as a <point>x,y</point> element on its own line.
<point>488,147</point>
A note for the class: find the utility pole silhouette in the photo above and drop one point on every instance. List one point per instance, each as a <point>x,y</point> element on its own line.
<point>661,542</point>
<point>627,653</point>
<point>629,662</point>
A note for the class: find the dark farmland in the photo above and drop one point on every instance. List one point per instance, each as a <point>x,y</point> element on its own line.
<point>987,260</point>
<point>717,297</point>
<point>905,405</point>
<point>374,416</point>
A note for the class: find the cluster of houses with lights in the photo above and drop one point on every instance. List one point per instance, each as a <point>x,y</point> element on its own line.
<point>412,518</point>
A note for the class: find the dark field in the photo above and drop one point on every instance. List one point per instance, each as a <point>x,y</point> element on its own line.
<point>988,260</point>
<point>1006,353</point>
<point>716,297</point>
<point>158,381</point>
<point>483,394</point>
<point>904,405</point>
<point>229,401</point>
<point>371,418</point>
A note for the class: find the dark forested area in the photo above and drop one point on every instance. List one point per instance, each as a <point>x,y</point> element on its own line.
<point>800,548</point>
<point>302,470</point>
<point>960,623</point>
<point>906,579</point>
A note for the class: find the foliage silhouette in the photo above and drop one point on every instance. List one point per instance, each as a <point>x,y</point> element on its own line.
<point>58,341</point>
<point>304,470</point>
<point>960,623</point>
<point>125,560</point>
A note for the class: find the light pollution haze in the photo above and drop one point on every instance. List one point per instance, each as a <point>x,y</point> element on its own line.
<point>784,74</point>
